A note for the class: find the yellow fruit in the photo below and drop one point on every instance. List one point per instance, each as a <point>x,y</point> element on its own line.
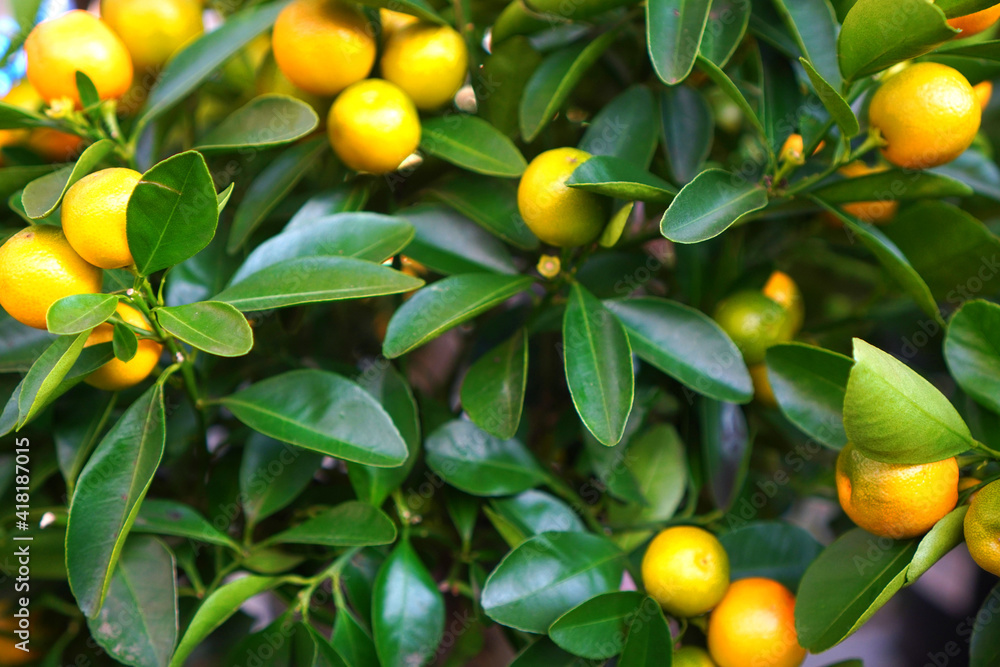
<point>323,46</point>
<point>429,62</point>
<point>117,374</point>
<point>895,500</point>
<point>781,288</point>
<point>793,149</point>
<point>77,41</point>
<point>373,126</point>
<point>965,483</point>
<point>270,79</point>
<point>392,21</point>
<point>686,570</point>
<point>51,144</point>
<point>762,391</point>
<point>153,31</point>
<point>37,268</point>
<point>691,656</point>
<point>93,216</point>
<point>559,215</point>
<point>982,528</point>
<point>972,24</point>
<point>984,91</point>
<point>754,321</point>
<point>874,212</point>
<point>755,625</point>
<point>928,114</point>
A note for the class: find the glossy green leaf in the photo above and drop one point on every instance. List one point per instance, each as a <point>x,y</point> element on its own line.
<point>223,197</point>
<point>688,130</point>
<point>835,104</point>
<point>345,198</point>
<point>169,517</point>
<point>46,374</point>
<point>79,427</point>
<point>265,121</point>
<point>813,24</point>
<point>713,72</point>
<point>534,512</point>
<point>350,524</point>
<point>770,549</point>
<point>972,350</point>
<point>20,345</point>
<point>616,177</point>
<point>505,71</point>
<point>353,642</point>
<point>408,613</point>
<point>725,446</point>
<point>125,342</point>
<point>976,170</point>
<point>727,23</point>
<point>493,389</point>
<point>13,179</point>
<point>781,99</point>
<point>210,326</point>
<point>892,185</point>
<point>673,35</point>
<point>42,196</point>
<point>13,117</point>
<point>709,205</point>
<point>809,384</point>
<point>946,534</point>
<point>273,474</point>
<point>953,8</point>
<point>616,226</point>
<point>984,647</point>
<point>626,128</point>
<point>489,202</point>
<point>448,242</point>
<point>545,653</point>
<point>80,312</point>
<point>471,143</point>
<point>657,460</point>
<point>596,628</point>
<point>649,640</point>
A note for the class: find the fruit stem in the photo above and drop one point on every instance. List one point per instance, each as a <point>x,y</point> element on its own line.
<point>984,448</point>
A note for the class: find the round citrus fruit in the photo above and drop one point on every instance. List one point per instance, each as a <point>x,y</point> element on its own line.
<point>928,114</point>
<point>686,570</point>
<point>51,144</point>
<point>392,21</point>
<point>781,288</point>
<point>755,625</point>
<point>982,528</point>
<point>895,500</point>
<point>877,212</point>
<point>975,23</point>
<point>270,80</point>
<point>984,91</point>
<point>323,46</point>
<point>93,216</point>
<point>373,126</point>
<point>762,390</point>
<point>754,321</point>
<point>556,213</point>
<point>77,41</point>
<point>692,656</point>
<point>429,62</point>
<point>153,31</point>
<point>37,268</point>
<point>117,374</point>
<point>793,149</point>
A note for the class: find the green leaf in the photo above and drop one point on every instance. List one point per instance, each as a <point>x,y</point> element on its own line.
<point>809,384</point>
<point>688,130</point>
<point>13,117</point>
<point>265,121</point>
<point>984,649</point>
<point>323,412</point>
<point>659,465</point>
<point>13,179</point>
<point>846,584</point>
<point>471,143</point>
<point>813,24</point>
<point>474,461</point>
<point>448,242</point>
<point>598,360</point>
<point>345,198</point>
<point>953,8</point>
<point>878,34</point>
<point>353,642</point>
<point>20,345</point>
<point>709,205</point>
<point>544,653</point>
<point>169,517</point>
<point>725,447</point>
<point>506,69</point>
<point>350,524</point>
<point>534,512</point>
<point>619,178</point>
<point>771,549</point>
<point>946,534</point>
<point>80,312</point>
<point>726,26</point>
<point>271,186</point>
<point>216,609</point>
<point>138,623</point>
<point>417,8</point>
<point>649,640</point>
<point>272,475</point>
<point>491,203</point>
<point>125,342</point>
<point>892,185</point>
<point>79,426</point>
<point>172,213</point>
<point>408,613</point>
<point>673,34</point>
<point>781,100</point>
<point>626,128</point>
<point>223,197</point>
<point>972,350</point>
<point>313,279</point>
<point>713,72</point>
<point>835,104</point>
<point>553,81</point>
<point>493,389</point>
<point>211,326</point>
<point>108,495</point>
<point>976,170</point>
<point>596,628</point>
<point>687,345</point>
<point>46,374</point>
<point>41,197</point>
<point>892,414</point>
<point>616,225</point>
<point>548,575</point>
<point>446,304</point>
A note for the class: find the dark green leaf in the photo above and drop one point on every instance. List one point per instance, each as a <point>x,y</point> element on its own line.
<point>353,642</point>
<point>448,242</point>
<point>596,628</point>
<point>713,72</point>
<point>125,342</point>
<point>493,388</point>
<point>544,653</point>
<point>42,196</point>
<point>658,463</point>
<point>984,649</point>
<point>80,312</point>
<point>673,35</point>
<point>211,326</point>
<point>78,429</point>
<point>169,517</point>
<point>649,640</point>
<point>709,205</point>
<point>13,179</point>
<point>20,345</point>
<point>813,24</point>
<point>892,185</point>
<point>770,549</point>
<point>809,385</point>
<point>619,178</point>
<point>273,474</point>
<point>626,127</point>
<point>727,23</point>
<point>976,170</point>
<point>13,117</point>
<point>836,105</point>
<point>725,447</point>
<point>534,512</point>
<point>350,524</point>
<point>688,129</point>
<point>417,8</point>
<point>265,121</point>
<point>346,198</point>
<point>972,350</point>
<point>490,203</point>
<point>471,143</point>
<point>46,375</point>
<point>781,99</point>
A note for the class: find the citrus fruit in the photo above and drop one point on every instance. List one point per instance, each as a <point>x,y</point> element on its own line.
<point>928,114</point>
<point>965,483</point>
<point>984,91</point>
<point>975,23</point>
<point>270,80</point>
<point>686,570</point>
<point>692,656</point>
<point>892,499</point>
<point>323,46</point>
<point>427,61</point>
<point>793,149</point>
<point>117,374</point>
<point>51,144</point>
<point>373,126</point>
<point>754,321</point>
<point>93,216</point>
<point>558,214</point>
<point>781,288</point>
<point>755,625</point>
<point>982,528</point>
<point>874,212</point>
<point>762,390</point>
<point>77,41</point>
<point>37,268</point>
<point>392,21</point>
<point>153,31</point>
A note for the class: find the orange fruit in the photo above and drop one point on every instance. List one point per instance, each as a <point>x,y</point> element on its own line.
<point>895,500</point>
<point>965,483</point>
<point>392,21</point>
<point>754,321</point>
<point>558,214</point>
<point>93,216</point>
<point>373,126</point>
<point>975,23</point>
<point>686,570</point>
<point>117,374</point>
<point>982,528</point>
<point>51,144</point>
<point>793,149</point>
<point>984,91</point>
<point>271,80</point>
<point>153,31</point>
<point>781,288</point>
<point>323,46</point>
<point>927,113</point>
<point>874,212</point>
<point>77,41</point>
<point>755,625</point>
<point>37,268</point>
<point>429,62</point>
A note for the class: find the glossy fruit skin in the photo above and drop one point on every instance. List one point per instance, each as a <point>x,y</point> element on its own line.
<point>93,216</point>
<point>429,62</point>
<point>982,528</point>
<point>874,212</point>
<point>755,625</point>
<point>984,91</point>
<point>37,268</point>
<point>271,80</point>
<point>781,288</point>
<point>153,31</point>
<point>975,23</point>
<point>895,500</point>
<point>692,656</point>
<point>392,21</point>
<point>557,214</point>
<point>686,570</point>
<point>323,46</point>
<point>117,374</point>
<point>74,41</point>
<point>754,321</point>
<point>928,114</point>
<point>373,126</point>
